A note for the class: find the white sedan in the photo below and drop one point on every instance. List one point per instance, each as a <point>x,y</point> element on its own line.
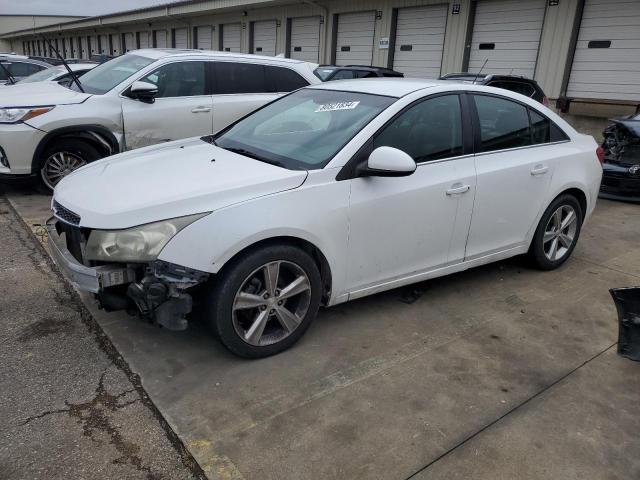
<point>328,194</point>
<point>59,74</point>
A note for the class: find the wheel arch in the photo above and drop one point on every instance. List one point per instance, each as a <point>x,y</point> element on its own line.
<point>98,136</point>
<point>298,242</point>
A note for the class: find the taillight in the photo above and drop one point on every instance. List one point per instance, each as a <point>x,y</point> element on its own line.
<point>600,154</point>
<point>545,101</point>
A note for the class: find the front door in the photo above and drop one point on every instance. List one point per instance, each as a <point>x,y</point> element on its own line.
<point>514,170</point>
<point>181,109</point>
<point>400,227</point>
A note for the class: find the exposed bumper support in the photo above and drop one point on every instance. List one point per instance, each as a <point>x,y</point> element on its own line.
<point>88,279</point>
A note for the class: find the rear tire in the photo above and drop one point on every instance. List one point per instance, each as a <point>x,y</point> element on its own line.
<point>62,158</point>
<point>557,233</point>
<point>263,302</point>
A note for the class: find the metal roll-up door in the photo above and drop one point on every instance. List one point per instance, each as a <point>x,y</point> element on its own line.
<point>506,34</point>
<point>606,64</point>
<point>419,41</point>
<point>354,40</point>
<point>144,39</point>
<point>104,44</point>
<point>160,38</point>
<point>93,45</point>
<point>264,37</point>
<point>204,38</point>
<point>115,44</point>
<point>231,34</point>
<point>129,42</point>
<point>305,39</point>
<point>181,38</point>
<point>84,45</point>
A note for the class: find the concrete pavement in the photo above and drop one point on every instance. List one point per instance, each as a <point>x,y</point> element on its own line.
<point>466,372</point>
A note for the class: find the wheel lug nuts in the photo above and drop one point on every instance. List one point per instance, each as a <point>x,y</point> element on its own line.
<point>265,296</point>
<point>280,302</point>
<point>263,307</point>
<point>277,292</point>
<point>272,312</point>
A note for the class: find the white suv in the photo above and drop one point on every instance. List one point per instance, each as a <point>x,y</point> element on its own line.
<point>142,98</point>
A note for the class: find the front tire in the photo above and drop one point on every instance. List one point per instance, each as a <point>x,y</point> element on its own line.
<point>557,233</point>
<point>263,302</point>
<point>64,157</point>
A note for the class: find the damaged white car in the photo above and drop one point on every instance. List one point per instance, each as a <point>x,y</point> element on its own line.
<point>142,98</point>
<point>328,194</point>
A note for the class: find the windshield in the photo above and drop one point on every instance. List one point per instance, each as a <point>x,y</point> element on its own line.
<point>304,130</point>
<point>44,75</point>
<point>109,74</point>
<point>323,73</point>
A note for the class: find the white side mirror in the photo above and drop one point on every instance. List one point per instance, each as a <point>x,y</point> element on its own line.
<point>144,91</point>
<point>388,162</point>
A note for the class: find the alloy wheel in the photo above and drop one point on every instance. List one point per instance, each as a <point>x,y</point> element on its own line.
<point>58,166</point>
<point>271,303</point>
<point>560,233</point>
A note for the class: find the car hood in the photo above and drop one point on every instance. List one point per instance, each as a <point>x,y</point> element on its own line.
<point>167,181</point>
<point>39,94</point>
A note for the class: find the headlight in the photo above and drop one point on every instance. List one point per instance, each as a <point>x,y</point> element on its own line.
<point>15,115</point>
<point>138,244</point>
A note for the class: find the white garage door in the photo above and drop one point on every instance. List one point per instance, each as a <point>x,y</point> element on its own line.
<point>129,42</point>
<point>354,41</point>
<point>507,33</point>
<point>305,39</point>
<point>231,37</point>
<point>607,59</point>
<point>85,47</point>
<point>93,45</point>
<point>161,38</point>
<point>264,37</point>
<point>104,44</point>
<point>115,44</point>
<point>204,38</point>
<point>419,41</point>
<point>181,38</point>
<point>144,39</point>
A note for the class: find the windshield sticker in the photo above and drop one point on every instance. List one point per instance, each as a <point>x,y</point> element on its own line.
<point>331,107</point>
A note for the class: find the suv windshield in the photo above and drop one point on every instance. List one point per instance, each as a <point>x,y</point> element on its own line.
<point>109,74</point>
<point>304,130</point>
<point>44,75</point>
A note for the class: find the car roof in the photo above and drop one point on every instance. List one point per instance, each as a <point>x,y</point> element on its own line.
<point>158,53</point>
<point>389,86</point>
<point>485,77</point>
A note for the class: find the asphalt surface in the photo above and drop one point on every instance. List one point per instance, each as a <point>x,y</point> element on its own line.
<point>70,408</point>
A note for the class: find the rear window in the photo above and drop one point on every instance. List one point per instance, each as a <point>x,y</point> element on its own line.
<point>284,79</point>
<point>518,87</point>
<point>237,77</point>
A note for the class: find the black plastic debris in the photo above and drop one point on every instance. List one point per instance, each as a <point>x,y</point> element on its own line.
<point>627,302</point>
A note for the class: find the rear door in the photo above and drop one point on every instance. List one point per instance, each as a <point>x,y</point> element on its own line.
<point>515,160</point>
<point>183,106</point>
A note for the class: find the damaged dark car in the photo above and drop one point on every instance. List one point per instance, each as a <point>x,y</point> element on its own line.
<point>621,167</point>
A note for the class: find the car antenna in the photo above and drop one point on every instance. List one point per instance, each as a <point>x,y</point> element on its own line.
<point>9,76</point>
<point>480,71</point>
<point>64,62</point>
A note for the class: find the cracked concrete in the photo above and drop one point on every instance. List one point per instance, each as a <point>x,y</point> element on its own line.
<point>69,405</point>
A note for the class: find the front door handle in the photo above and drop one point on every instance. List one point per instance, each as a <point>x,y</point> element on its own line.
<point>201,110</point>
<point>539,170</point>
<point>458,189</point>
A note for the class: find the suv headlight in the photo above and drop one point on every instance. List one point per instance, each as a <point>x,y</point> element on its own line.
<point>15,115</point>
<point>138,244</point>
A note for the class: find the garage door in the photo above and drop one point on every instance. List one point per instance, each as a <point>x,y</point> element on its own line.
<point>305,39</point>
<point>419,41</point>
<point>507,34</point>
<point>204,38</point>
<point>264,37</point>
<point>354,41</point>
<point>161,38</point>
<point>115,44</point>
<point>607,59</point>
<point>104,44</point>
<point>129,42</point>
<point>230,37</point>
<point>144,38</point>
<point>93,45</point>
<point>181,38</point>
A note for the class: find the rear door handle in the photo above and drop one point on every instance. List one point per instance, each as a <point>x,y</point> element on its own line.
<point>458,189</point>
<point>539,170</point>
<point>201,110</point>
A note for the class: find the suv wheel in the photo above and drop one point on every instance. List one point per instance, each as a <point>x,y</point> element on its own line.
<point>557,233</point>
<point>62,158</point>
<point>265,301</point>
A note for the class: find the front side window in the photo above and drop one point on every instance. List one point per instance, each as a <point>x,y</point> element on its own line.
<point>430,130</point>
<point>179,79</point>
<point>22,69</point>
<point>236,77</point>
<point>503,123</point>
<point>106,76</point>
<point>303,130</point>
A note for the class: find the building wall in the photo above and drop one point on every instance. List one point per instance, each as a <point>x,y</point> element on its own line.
<point>11,23</point>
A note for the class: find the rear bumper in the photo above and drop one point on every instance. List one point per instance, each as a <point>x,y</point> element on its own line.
<point>88,279</point>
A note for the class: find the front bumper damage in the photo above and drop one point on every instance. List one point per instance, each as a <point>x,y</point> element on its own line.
<point>158,291</point>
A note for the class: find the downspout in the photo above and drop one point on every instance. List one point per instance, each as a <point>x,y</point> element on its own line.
<point>325,23</point>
